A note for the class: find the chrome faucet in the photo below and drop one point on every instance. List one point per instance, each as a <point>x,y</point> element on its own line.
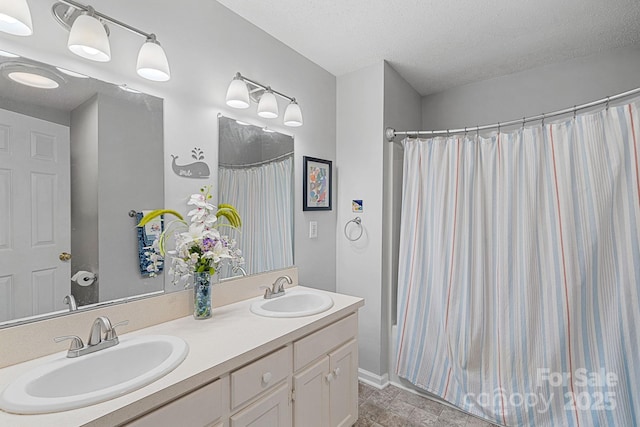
<point>103,335</point>
<point>277,288</point>
<point>71,302</point>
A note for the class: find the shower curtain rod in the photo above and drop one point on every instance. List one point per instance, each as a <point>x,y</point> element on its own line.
<point>391,133</point>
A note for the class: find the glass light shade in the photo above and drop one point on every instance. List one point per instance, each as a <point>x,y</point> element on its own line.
<point>152,62</point>
<point>89,39</point>
<point>238,94</point>
<point>15,17</point>
<point>268,105</point>
<point>33,80</point>
<point>293,115</point>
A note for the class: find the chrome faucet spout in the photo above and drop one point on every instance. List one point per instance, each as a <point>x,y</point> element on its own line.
<point>100,324</point>
<point>71,302</point>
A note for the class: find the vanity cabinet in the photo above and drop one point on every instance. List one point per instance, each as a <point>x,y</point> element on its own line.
<point>202,407</point>
<point>325,383</point>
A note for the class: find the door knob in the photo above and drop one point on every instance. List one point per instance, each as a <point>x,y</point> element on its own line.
<point>64,256</point>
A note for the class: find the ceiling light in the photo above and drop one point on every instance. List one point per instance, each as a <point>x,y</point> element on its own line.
<point>238,93</point>
<point>268,105</point>
<point>72,73</point>
<point>33,80</point>
<point>89,39</point>
<point>267,130</point>
<point>8,54</point>
<point>293,114</point>
<point>240,122</point>
<point>15,17</point>
<point>152,61</point>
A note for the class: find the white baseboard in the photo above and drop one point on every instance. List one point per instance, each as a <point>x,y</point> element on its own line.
<point>372,379</point>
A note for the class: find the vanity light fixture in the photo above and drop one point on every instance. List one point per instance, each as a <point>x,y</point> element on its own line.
<point>243,90</point>
<point>89,38</point>
<point>15,17</point>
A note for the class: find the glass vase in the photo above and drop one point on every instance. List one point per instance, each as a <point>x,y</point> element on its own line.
<point>201,295</point>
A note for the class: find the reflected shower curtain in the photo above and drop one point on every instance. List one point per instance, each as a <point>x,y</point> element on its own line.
<point>519,278</point>
<point>262,196</point>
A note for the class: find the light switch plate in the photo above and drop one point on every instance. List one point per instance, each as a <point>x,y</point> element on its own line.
<point>313,229</point>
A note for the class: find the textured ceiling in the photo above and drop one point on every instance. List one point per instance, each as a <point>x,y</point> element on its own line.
<point>438,44</point>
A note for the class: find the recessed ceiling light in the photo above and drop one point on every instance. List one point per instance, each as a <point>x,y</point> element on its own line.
<point>33,80</point>
<point>8,54</point>
<point>72,73</point>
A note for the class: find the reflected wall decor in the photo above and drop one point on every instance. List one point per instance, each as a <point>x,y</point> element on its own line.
<point>316,184</point>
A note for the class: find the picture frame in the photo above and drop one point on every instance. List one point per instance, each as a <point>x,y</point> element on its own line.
<point>317,181</point>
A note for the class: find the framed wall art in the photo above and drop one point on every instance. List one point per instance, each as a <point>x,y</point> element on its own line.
<point>316,184</point>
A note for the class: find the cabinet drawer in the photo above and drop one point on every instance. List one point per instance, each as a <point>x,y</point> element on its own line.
<point>253,379</point>
<point>198,408</point>
<point>318,344</point>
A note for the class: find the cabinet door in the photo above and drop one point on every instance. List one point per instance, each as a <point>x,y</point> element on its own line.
<point>311,395</point>
<point>270,411</point>
<point>343,387</point>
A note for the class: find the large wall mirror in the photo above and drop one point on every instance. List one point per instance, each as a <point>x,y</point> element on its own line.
<point>255,174</point>
<point>76,156</point>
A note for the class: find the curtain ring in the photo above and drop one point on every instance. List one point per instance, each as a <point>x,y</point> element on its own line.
<point>358,221</point>
<point>607,106</point>
<point>498,127</point>
<point>477,130</point>
<point>575,107</point>
<point>523,122</point>
<point>543,116</point>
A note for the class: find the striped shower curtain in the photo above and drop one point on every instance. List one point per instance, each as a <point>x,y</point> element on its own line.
<point>262,196</point>
<point>519,276</point>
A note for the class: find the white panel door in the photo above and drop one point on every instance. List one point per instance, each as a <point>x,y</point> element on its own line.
<point>34,215</point>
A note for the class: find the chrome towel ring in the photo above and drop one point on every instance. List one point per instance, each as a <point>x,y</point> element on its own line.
<point>358,221</point>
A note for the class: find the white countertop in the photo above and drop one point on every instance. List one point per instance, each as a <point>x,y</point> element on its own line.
<point>231,338</point>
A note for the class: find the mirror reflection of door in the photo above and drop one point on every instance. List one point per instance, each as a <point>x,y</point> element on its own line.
<point>34,215</point>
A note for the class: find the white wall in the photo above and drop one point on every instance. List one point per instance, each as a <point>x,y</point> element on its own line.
<point>532,92</point>
<point>369,168</point>
<point>206,44</point>
<point>359,149</point>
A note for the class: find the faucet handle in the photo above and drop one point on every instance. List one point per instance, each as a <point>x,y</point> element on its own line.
<point>267,291</point>
<point>76,342</point>
<point>111,333</point>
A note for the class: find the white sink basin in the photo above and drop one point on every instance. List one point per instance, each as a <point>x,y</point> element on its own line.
<point>69,383</point>
<point>294,303</point>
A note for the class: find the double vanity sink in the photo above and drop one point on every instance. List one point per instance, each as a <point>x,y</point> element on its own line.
<point>70,381</point>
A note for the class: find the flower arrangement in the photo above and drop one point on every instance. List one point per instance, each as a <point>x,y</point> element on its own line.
<point>199,245</point>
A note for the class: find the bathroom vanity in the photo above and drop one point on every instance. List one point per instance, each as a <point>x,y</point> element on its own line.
<point>242,369</point>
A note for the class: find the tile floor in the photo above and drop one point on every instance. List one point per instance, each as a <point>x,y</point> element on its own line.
<point>394,407</point>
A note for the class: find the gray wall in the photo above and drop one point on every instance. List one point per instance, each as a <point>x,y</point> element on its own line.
<point>535,91</point>
<point>205,50</point>
<point>84,197</point>
<point>130,135</point>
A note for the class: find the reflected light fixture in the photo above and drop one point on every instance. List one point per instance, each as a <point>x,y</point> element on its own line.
<point>89,38</point>
<point>33,80</point>
<point>15,17</point>
<point>243,90</point>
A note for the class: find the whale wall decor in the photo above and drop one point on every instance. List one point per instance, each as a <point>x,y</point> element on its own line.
<point>198,169</point>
